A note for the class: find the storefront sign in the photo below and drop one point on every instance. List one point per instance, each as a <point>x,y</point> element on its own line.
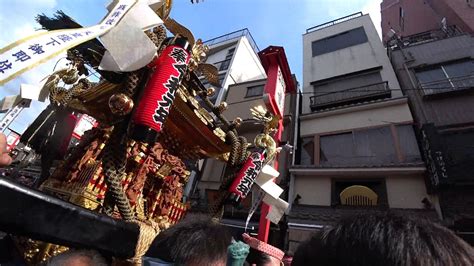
<point>434,155</point>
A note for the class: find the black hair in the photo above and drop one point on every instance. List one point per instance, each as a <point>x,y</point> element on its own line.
<point>257,257</point>
<point>384,239</point>
<point>92,257</point>
<point>199,241</point>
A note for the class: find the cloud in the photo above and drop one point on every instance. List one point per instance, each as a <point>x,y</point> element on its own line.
<point>372,7</point>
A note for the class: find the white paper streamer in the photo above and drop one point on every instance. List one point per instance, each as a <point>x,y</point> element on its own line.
<point>128,47</point>
<point>271,192</point>
<point>277,210</point>
<point>265,181</point>
<point>254,207</point>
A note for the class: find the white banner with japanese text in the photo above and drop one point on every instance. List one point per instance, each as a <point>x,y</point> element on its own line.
<point>31,51</point>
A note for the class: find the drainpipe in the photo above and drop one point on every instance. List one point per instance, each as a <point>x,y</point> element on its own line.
<point>296,133</point>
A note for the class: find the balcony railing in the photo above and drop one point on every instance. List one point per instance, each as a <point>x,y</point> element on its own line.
<point>448,85</point>
<point>424,37</point>
<point>334,22</point>
<point>352,95</point>
<point>234,35</point>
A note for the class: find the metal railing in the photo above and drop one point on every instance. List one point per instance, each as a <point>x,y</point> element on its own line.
<point>234,35</point>
<point>372,91</point>
<point>448,85</point>
<point>334,22</point>
<point>427,36</point>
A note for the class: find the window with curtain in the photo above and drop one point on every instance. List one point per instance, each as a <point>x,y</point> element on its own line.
<point>447,77</point>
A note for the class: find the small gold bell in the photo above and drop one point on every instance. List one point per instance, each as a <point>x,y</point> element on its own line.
<point>222,107</point>
<point>211,91</point>
<point>237,121</point>
<point>120,104</point>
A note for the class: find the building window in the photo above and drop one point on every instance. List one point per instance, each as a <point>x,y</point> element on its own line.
<point>339,41</point>
<point>225,64</point>
<point>386,145</point>
<point>255,91</point>
<point>446,77</point>
<point>359,192</point>
<point>369,147</point>
<point>408,145</point>
<point>401,19</point>
<point>307,151</point>
<point>221,78</point>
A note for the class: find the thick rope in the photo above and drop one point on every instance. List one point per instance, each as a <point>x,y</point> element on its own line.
<point>114,167</point>
<point>234,152</point>
<point>148,231</point>
<point>243,150</point>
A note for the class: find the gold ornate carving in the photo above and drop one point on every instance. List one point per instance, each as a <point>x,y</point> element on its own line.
<point>37,252</point>
<point>178,29</point>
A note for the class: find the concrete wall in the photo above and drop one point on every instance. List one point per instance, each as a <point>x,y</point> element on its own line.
<point>212,171</point>
<point>245,66</point>
<point>375,114</point>
<point>313,190</point>
<point>352,59</point>
<point>447,109</point>
<point>404,192</point>
<point>238,104</point>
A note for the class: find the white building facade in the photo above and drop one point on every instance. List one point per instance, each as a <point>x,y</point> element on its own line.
<point>235,56</point>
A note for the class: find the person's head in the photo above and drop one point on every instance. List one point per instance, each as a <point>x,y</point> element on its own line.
<point>78,258</point>
<point>384,239</point>
<point>261,253</point>
<point>259,258</point>
<point>194,242</point>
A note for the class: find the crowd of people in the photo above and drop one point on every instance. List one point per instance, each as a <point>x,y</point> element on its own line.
<point>365,239</point>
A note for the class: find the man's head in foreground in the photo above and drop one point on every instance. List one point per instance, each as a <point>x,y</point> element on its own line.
<point>78,258</point>
<point>194,241</point>
<point>384,239</point>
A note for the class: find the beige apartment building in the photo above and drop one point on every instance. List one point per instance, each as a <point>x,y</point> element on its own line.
<point>357,149</point>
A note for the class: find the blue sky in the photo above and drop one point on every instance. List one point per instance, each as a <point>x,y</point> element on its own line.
<point>271,22</point>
